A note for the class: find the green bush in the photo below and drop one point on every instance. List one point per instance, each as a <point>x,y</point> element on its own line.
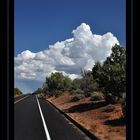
<point>57,82</point>
<point>109,108</point>
<point>88,83</point>
<point>76,84</point>
<point>71,92</point>
<point>41,95</point>
<point>96,96</point>
<point>77,91</point>
<point>123,105</point>
<point>111,99</point>
<point>111,75</point>
<point>17,92</point>
<point>77,97</point>
<point>58,93</point>
<point>49,94</point>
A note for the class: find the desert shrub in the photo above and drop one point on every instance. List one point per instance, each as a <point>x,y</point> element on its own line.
<point>71,92</point>
<point>124,109</point>
<point>17,92</point>
<point>111,99</point>
<point>77,97</point>
<point>88,83</point>
<point>123,106</point>
<point>109,108</point>
<point>76,84</point>
<point>56,83</point>
<point>96,96</point>
<point>77,91</point>
<point>58,93</point>
<point>49,94</point>
<point>40,95</point>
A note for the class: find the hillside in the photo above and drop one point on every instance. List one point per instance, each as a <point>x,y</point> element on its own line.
<point>99,118</point>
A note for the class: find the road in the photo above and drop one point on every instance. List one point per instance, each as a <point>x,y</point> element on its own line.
<point>36,119</point>
<point>17,98</point>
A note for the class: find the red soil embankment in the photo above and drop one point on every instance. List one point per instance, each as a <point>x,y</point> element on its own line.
<point>92,115</point>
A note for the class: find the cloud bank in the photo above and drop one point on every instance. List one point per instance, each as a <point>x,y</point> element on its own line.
<point>68,56</point>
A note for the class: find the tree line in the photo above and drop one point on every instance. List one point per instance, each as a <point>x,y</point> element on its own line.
<point>106,81</point>
<point>17,92</point>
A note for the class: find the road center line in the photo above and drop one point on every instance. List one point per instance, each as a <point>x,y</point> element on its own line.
<point>43,120</point>
<point>20,99</point>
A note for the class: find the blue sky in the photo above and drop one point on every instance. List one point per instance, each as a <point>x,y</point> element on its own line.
<point>40,23</point>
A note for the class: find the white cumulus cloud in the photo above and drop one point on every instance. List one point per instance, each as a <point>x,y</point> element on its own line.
<point>68,56</point>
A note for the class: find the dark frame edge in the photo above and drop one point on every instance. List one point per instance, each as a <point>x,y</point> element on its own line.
<point>129,68</point>
<point>10,70</point>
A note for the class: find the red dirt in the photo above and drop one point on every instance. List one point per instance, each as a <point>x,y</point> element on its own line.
<point>105,125</point>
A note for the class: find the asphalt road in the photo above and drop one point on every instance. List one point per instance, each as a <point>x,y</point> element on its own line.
<point>36,119</point>
<point>19,97</point>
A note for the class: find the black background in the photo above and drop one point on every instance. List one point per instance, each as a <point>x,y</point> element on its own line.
<point>7,70</point>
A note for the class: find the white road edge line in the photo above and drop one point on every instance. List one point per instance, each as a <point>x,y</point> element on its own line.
<point>20,99</point>
<point>43,120</point>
